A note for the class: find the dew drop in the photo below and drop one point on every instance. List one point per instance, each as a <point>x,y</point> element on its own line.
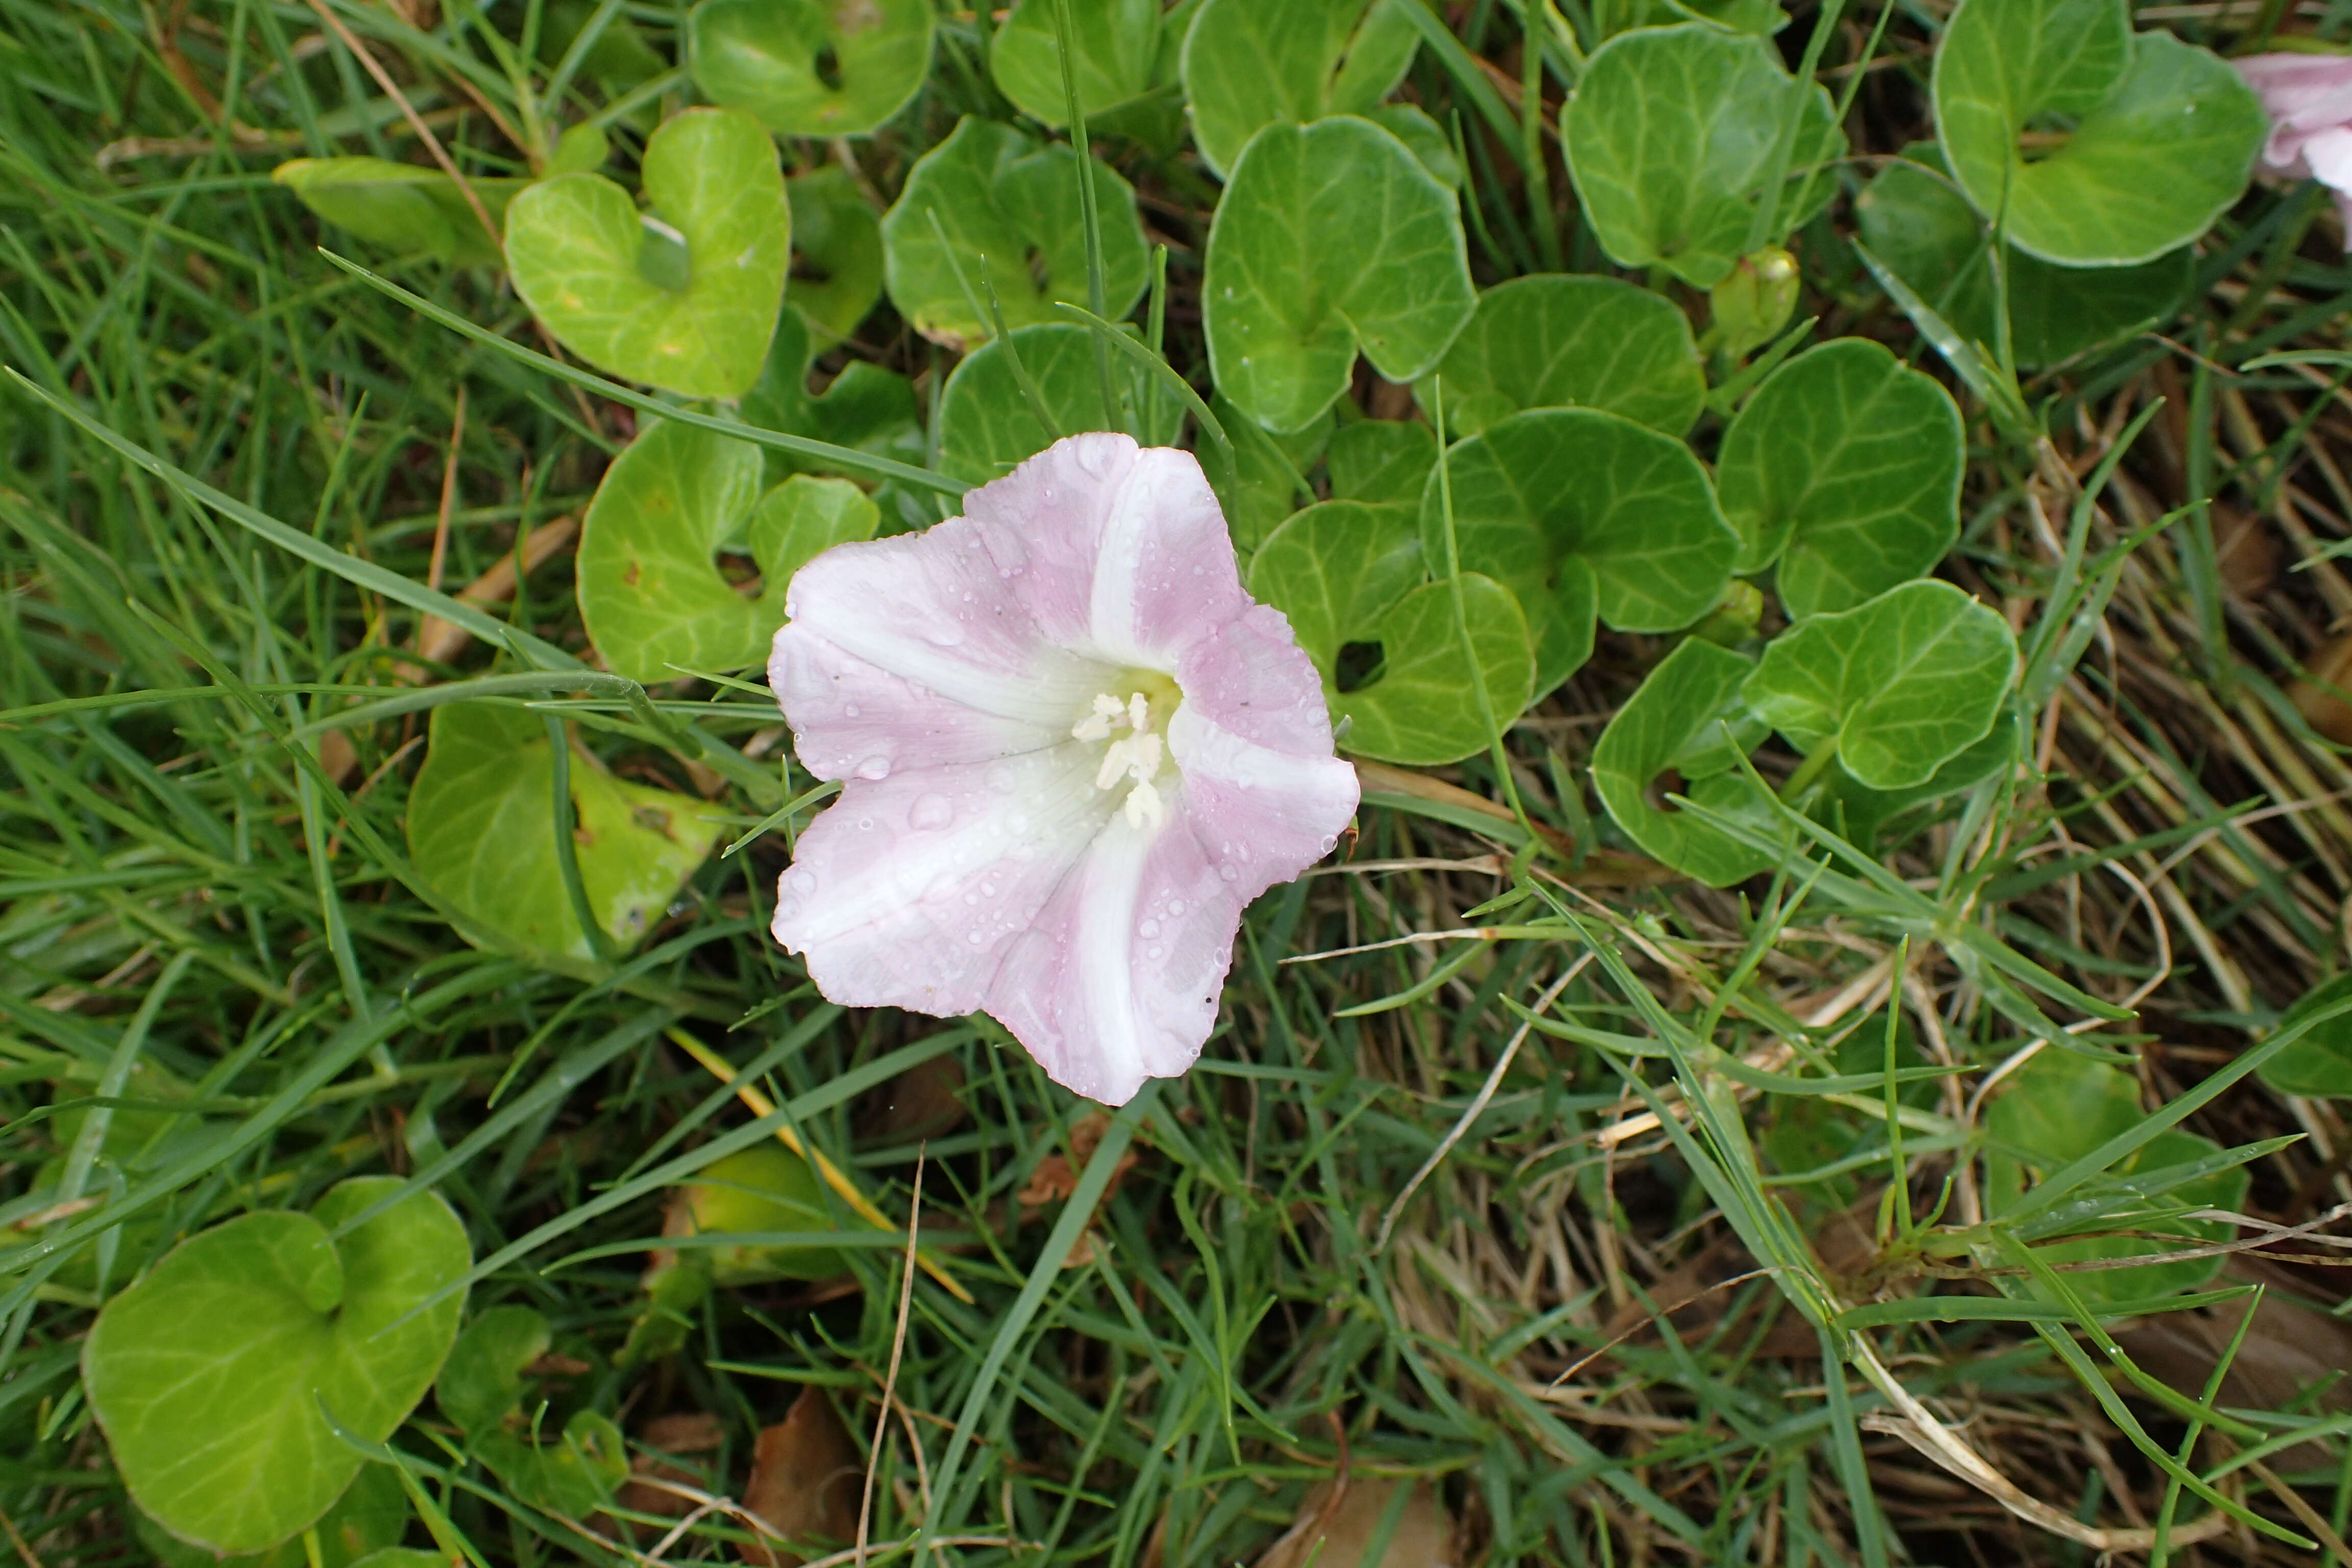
<point>801,879</point>
<point>1175,907</point>
<point>1149,928</point>
<point>930,812</point>
<point>1229,872</point>
<point>850,710</point>
<point>1329,843</point>
<point>787,909</point>
<point>1154,950</point>
<point>874,768</point>
<point>865,823</point>
<point>987,890</point>
<point>972,937</point>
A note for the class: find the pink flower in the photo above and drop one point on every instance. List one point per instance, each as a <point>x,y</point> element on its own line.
<point>1072,748</point>
<point>2309,100</point>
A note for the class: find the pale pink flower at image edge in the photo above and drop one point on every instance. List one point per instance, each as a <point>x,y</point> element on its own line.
<point>1072,748</point>
<point>2309,100</point>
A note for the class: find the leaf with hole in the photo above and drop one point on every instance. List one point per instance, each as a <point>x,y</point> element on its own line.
<point>986,426</point>
<point>481,832</point>
<point>215,1376</point>
<point>2318,1062</point>
<point>2091,144</point>
<point>838,244</point>
<point>1899,685</point>
<point>1008,208</point>
<point>1670,137</point>
<point>1844,467</point>
<point>1581,513</point>
<point>864,406</point>
<point>1918,223</point>
<point>1683,732</point>
<point>1557,341</point>
<point>1349,577</point>
<point>404,208</point>
<point>682,296</point>
<point>651,592</point>
<point>1289,302</point>
<point>811,68</point>
<point>1248,65</point>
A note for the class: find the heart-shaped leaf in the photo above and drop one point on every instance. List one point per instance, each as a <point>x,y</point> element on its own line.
<point>865,406</point>
<point>1671,135</point>
<point>986,428</point>
<point>1918,223</point>
<point>1385,461</point>
<point>2059,1106</point>
<point>1683,732</point>
<point>763,1190</point>
<point>837,238</point>
<point>1118,57</point>
<point>1860,815</point>
<point>1008,207</point>
<point>403,207</point>
<point>1555,341</point>
<point>1578,511</point>
<point>1846,469</point>
<point>372,1514</point>
<point>481,832</point>
<point>1350,576</point>
<point>1248,64</point>
<point>812,67</point>
<point>571,1472</point>
<point>2318,1062</point>
<point>1288,308</point>
<point>2093,145</point>
<point>609,283</point>
<point>651,590</point>
<point>1899,685</point>
<point>214,1376</point>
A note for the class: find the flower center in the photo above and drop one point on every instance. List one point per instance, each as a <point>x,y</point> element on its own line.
<point>1132,716</point>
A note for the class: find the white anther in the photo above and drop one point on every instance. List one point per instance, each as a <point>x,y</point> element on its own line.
<point>1143,807</point>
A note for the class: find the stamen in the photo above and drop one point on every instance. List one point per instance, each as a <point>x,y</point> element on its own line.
<point>1138,755</point>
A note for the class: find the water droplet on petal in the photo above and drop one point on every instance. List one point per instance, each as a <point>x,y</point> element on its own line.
<point>930,812</point>
<point>867,823</point>
<point>801,879</point>
<point>972,937</point>
<point>1175,906</point>
<point>1149,928</point>
<point>1229,872</point>
<point>1154,950</point>
<point>850,710</point>
<point>1329,843</point>
<point>874,768</point>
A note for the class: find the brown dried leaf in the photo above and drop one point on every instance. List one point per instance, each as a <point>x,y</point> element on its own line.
<point>806,1474</point>
<point>1342,1517</point>
<point>1055,1179</point>
<point>924,1101</point>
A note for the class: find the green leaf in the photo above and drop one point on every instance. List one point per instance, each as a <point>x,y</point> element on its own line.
<point>481,831</point>
<point>1288,303</point>
<point>1671,133</point>
<point>1683,732</point>
<point>1578,511</point>
<point>2095,146</point>
<point>371,1515</point>
<point>1350,576</point>
<point>609,283</point>
<point>1268,467</point>
<point>838,239</point>
<point>483,1388</point>
<point>1918,223</point>
<point>764,1190</point>
<point>2224,1190</point>
<point>1248,64</point>
<point>403,207</point>
<point>651,592</point>
<point>1846,469</point>
<point>2059,1106</point>
<point>1008,206</point>
<point>2318,1062</point>
<point>1900,684</point>
<point>866,407</point>
<point>1410,124</point>
<point>986,428</point>
<point>1555,341</point>
<point>1119,57</point>
<point>1859,814</point>
<point>481,1384</point>
<point>209,1376</point>
<point>811,68</point>
<point>1385,461</point>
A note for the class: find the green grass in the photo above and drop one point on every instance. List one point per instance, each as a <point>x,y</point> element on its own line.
<point>211,931</point>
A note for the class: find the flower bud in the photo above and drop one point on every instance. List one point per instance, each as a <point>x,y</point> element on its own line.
<point>1751,305</point>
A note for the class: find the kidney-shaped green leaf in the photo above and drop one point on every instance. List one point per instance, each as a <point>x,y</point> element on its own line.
<point>1683,732</point>
<point>1557,341</point>
<point>481,831</point>
<point>404,208</point>
<point>1844,467</point>
<point>1248,64</point>
<point>1917,222</point>
<point>1899,685</point>
<point>683,296</point>
<point>1383,461</point>
<point>2095,145</point>
<point>1578,511</point>
<point>651,592</point>
<point>1119,51</point>
<point>1350,576</point>
<point>1331,238</point>
<point>1008,207</point>
<point>837,238</point>
<point>811,68</point>
<point>1670,136</point>
<point>372,1514</point>
<point>216,1375</point>
<point>986,428</point>
<point>2318,1062</point>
